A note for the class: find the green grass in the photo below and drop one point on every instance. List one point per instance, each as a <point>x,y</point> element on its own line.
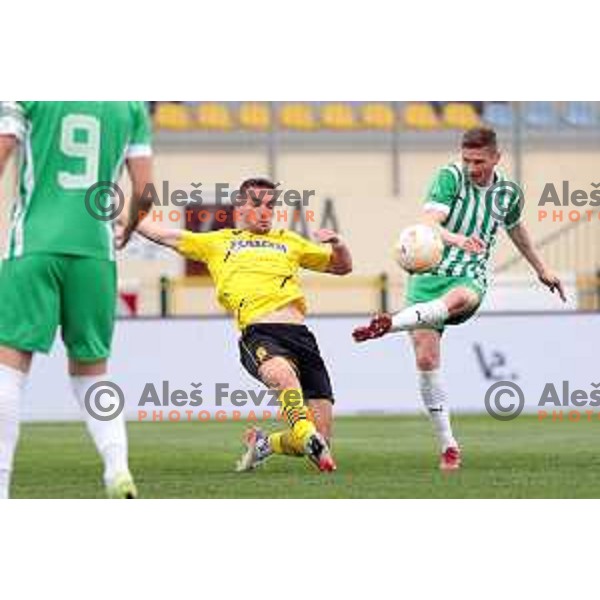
<point>378,457</point>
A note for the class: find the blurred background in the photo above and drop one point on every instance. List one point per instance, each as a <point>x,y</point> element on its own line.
<point>369,164</point>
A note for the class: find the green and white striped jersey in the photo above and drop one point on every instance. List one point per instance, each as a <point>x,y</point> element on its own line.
<point>65,149</point>
<point>472,210</point>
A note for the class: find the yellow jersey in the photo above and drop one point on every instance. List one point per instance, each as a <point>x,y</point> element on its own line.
<point>255,274</point>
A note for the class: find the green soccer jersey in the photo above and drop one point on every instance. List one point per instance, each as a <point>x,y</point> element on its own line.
<point>472,210</point>
<point>65,149</point>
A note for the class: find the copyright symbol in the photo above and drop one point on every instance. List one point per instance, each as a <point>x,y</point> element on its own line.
<point>104,201</point>
<point>499,198</point>
<point>104,401</point>
<point>500,408</point>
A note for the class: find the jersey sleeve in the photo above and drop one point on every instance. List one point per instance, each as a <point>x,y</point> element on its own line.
<point>443,191</point>
<point>312,256</point>
<point>140,140</point>
<point>513,216</point>
<point>12,119</point>
<point>196,246</point>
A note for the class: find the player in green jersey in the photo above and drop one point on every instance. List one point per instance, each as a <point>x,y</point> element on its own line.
<point>59,268</point>
<point>470,201</point>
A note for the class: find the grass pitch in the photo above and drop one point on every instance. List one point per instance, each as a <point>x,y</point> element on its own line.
<point>378,457</point>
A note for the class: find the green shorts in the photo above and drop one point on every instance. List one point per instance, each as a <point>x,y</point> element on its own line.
<point>40,292</point>
<point>424,288</point>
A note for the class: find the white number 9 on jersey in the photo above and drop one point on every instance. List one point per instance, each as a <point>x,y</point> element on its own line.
<point>87,150</point>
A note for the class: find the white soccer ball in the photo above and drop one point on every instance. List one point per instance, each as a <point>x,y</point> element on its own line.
<point>419,248</point>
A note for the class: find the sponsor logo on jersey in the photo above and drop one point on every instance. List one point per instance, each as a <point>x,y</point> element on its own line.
<point>238,245</point>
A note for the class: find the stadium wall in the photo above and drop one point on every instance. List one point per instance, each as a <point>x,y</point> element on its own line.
<point>531,350</point>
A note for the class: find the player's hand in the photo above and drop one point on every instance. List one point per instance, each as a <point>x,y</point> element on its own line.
<point>473,244</point>
<point>327,236</point>
<point>378,327</point>
<point>553,283</point>
<point>122,232</point>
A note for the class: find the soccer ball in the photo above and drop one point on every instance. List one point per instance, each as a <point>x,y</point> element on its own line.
<point>419,248</point>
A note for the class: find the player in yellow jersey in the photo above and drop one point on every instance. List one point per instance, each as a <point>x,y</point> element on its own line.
<point>255,271</point>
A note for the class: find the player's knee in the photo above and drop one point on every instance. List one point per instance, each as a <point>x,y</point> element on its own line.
<point>427,355</point>
<point>95,368</point>
<point>277,373</point>
<point>461,300</point>
<point>427,361</point>
<point>15,359</point>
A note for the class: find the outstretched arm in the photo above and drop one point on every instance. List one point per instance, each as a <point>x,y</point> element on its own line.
<point>157,233</point>
<point>440,201</point>
<point>195,246</point>
<point>437,218</point>
<point>522,240</point>
<point>341,259</point>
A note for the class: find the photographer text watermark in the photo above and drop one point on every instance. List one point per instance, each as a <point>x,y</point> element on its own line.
<point>505,401</point>
<point>105,200</point>
<point>105,401</point>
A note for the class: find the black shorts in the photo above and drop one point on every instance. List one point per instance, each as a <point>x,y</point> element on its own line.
<point>296,343</point>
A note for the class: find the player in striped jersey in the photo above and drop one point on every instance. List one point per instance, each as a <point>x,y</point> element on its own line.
<point>470,201</point>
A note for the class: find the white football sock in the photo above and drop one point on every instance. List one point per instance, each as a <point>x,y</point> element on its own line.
<point>434,399</point>
<point>11,389</point>
<point>424,314</point>
<point>110,437</point>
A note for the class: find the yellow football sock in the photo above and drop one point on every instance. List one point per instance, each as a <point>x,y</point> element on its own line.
<point>285,442</point>
<point>296,414</point>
